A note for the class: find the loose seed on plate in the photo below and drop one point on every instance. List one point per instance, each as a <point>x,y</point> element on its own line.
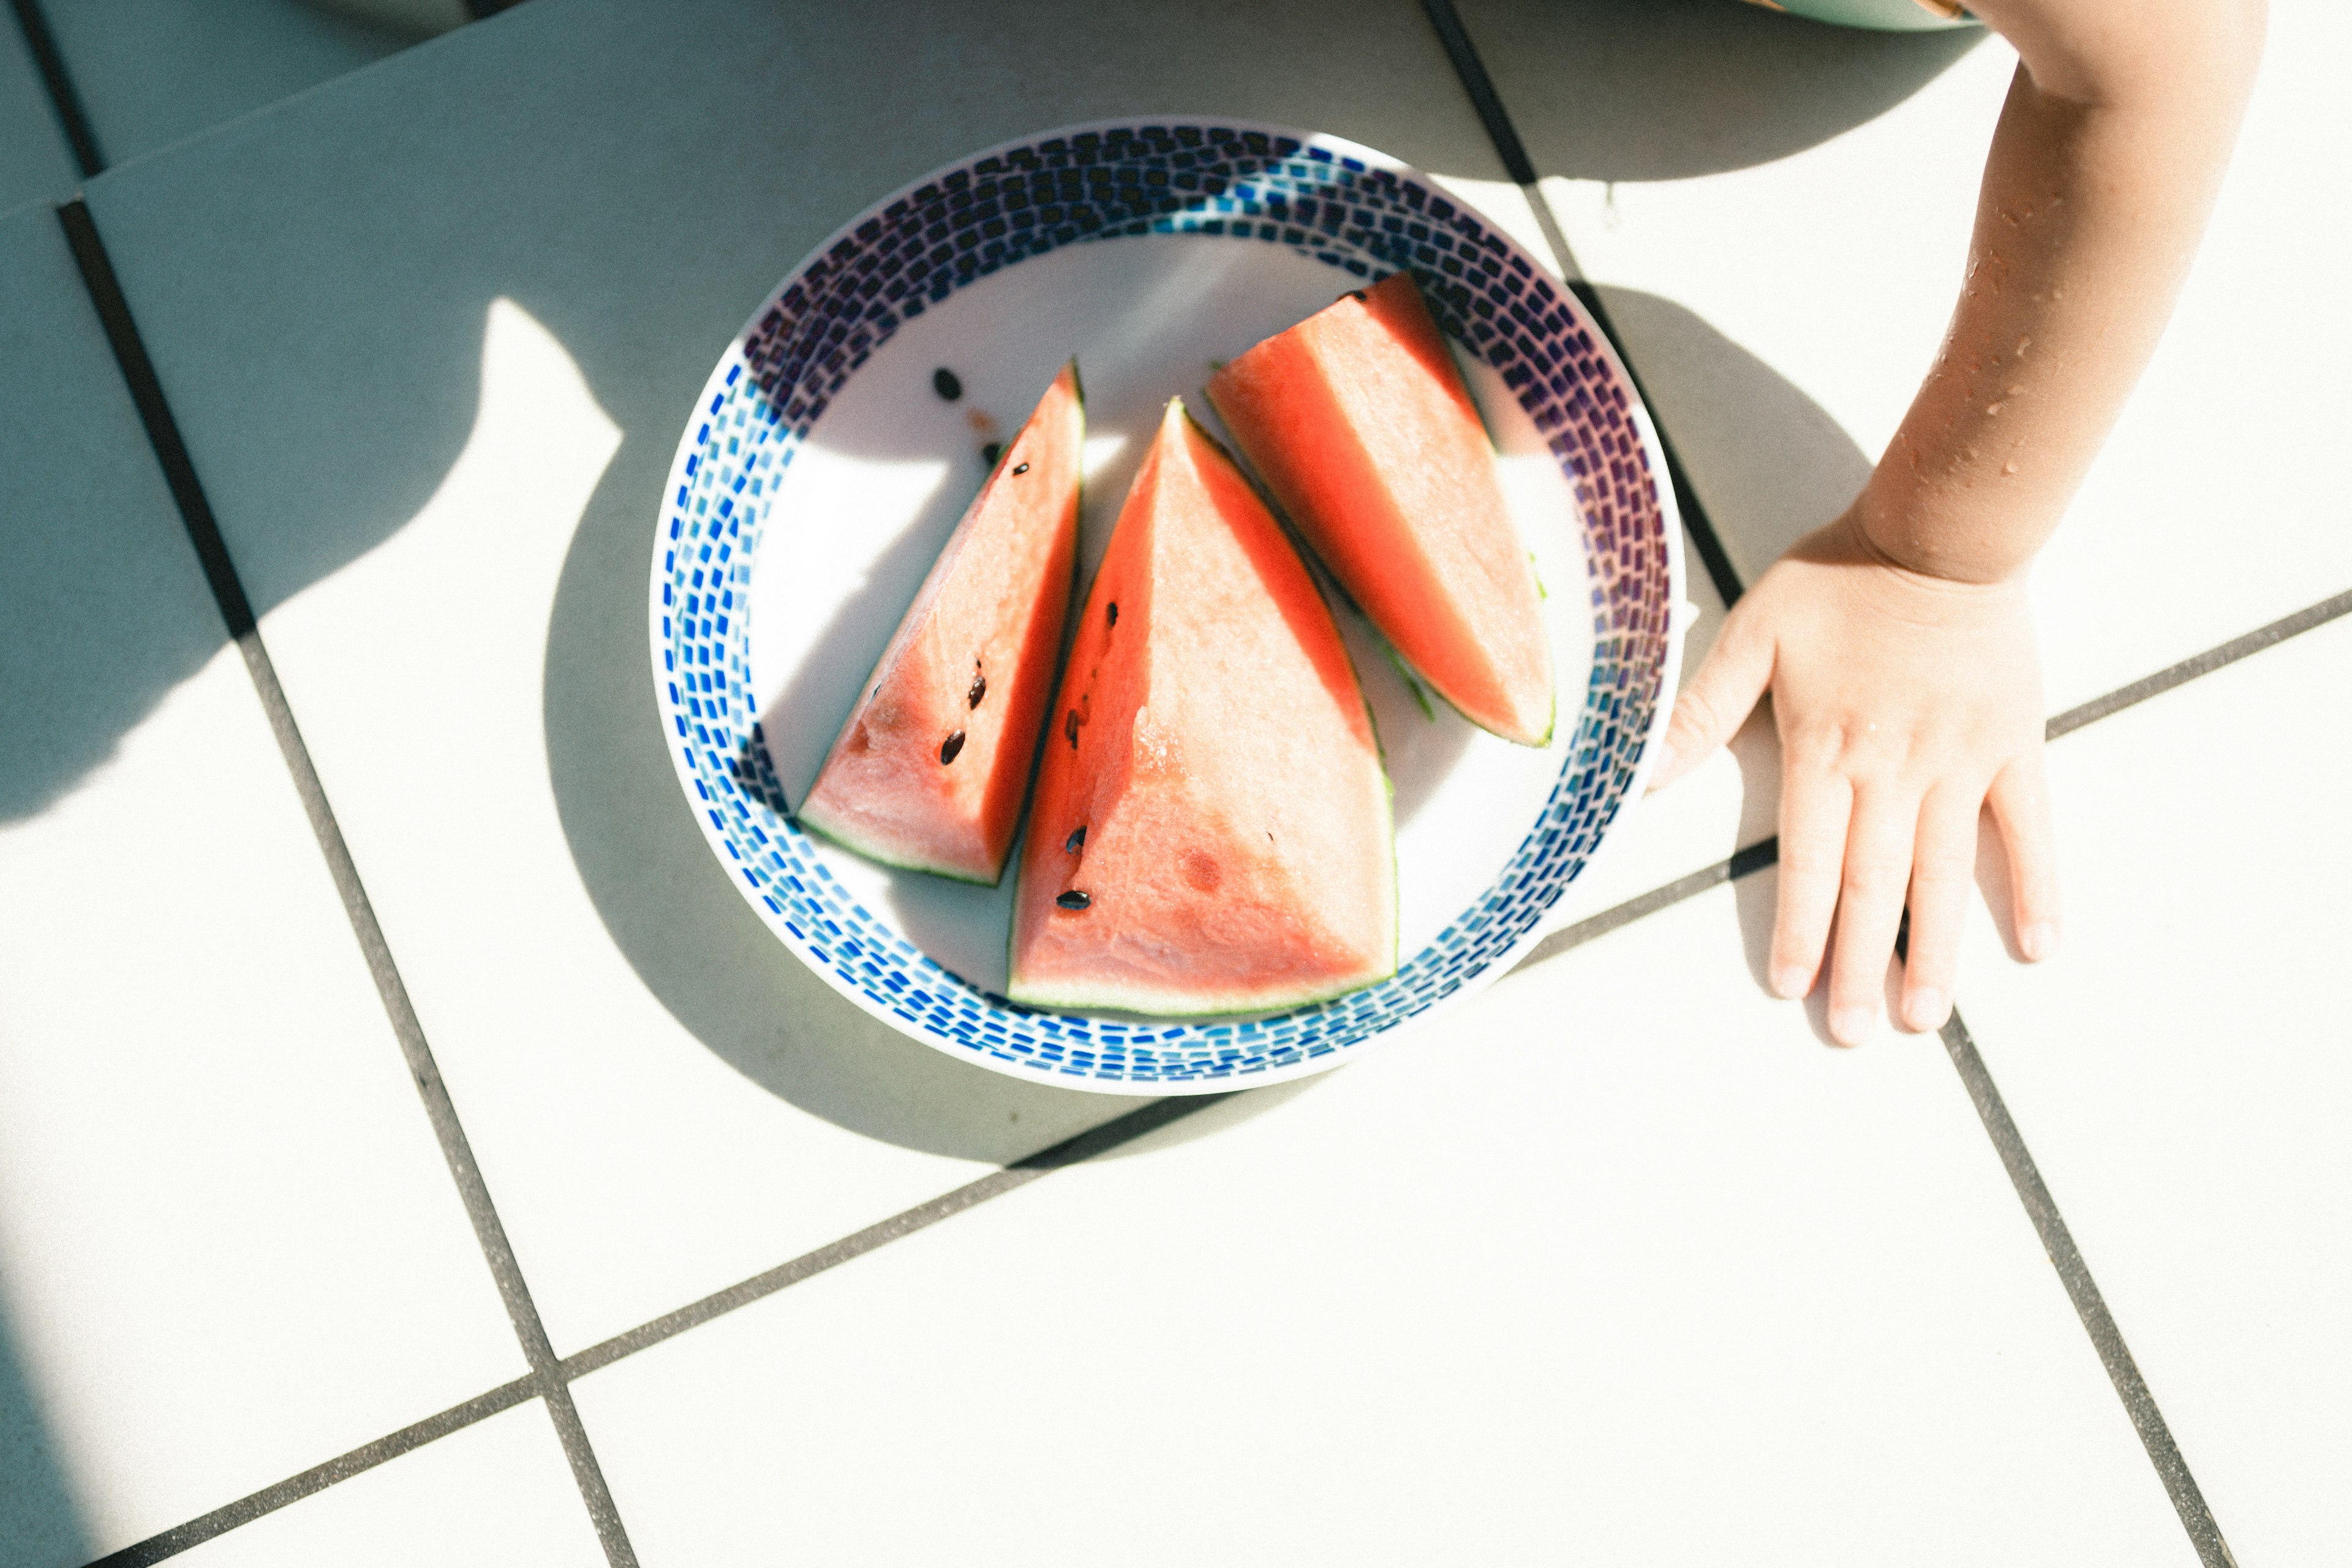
<point>1075,841</point>
<point>1075,899</point>
<point>990,453</point>
<point>944,383</point>
<point>979,689</point>
<point>951,746</point>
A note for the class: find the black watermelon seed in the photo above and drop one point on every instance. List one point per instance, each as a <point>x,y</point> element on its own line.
<point>1019,468</point>
<point>979,690</point>
<point>1110,614</point>
<point>990,453</point>
<point>1070,727</point>
<point>1075,899</point>
<point>1075,841</point>
<point>951,746</point>
<point>944,383</point>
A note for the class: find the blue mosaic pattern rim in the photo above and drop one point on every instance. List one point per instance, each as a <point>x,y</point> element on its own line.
<point>1222,181</point>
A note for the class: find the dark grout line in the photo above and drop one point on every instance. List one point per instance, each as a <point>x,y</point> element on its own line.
<point>204,532</point>
<point>63,99</point>
<point>1472,70</point>
<point>2058,1243</point>
<point>294,1488</point>
<point>1097,1141</point>
<point>1481,88</point>
<point>1743,863</point>
<point>1163,1112</point>
<point>2205,663</point>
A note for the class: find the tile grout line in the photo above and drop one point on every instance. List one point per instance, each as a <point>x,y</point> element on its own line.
<point>1471,72</point>
<point>343,1467</point>
<point>2058,1246</point>
<point>64,101</point>
<point>204,532</point>
<point>1101,1139</point>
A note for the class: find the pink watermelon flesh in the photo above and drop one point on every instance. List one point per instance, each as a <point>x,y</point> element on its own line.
<point>931,767</point>
<point>1211,830</point>
<point>1359,424</point>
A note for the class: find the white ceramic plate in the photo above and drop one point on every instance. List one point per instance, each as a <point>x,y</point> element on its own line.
<point>825,465</point>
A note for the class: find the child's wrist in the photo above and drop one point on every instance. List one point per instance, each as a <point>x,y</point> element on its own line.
<point>1902,541</point>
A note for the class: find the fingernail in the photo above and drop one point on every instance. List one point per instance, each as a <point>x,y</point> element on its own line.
<point>1789,983</point>
<point>1663,768</point>
<point>1925,1009</point>
<point>1851,1026</point>
<point>2037,941</point>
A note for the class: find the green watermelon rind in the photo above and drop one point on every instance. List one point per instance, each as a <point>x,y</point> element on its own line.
<point>1112,1001</point>
<point>868,852</point>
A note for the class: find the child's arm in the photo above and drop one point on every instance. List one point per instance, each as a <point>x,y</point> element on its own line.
<point>1895,641</point>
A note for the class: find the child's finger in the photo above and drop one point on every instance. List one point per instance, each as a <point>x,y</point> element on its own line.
<point>1870,906</point>
<point>1815,807</point>
<point>1714,703</point>
<point>1943,868</point>
<point>2021,808</point>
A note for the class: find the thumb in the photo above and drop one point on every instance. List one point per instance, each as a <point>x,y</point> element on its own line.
<point>1714,703</point>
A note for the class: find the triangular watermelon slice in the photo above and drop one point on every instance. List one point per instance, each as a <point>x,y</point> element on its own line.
<point>1359,424</point>
<point>930,769</point>
<point>1210,832</point>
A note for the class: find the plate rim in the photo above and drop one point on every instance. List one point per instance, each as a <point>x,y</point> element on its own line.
<point>1679,612</point>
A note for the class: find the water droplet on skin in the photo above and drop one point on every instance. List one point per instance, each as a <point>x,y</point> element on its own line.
<point>945,382</point>
<point>950,747</point>
<point>2009,467</point>
<point>1075,899</point>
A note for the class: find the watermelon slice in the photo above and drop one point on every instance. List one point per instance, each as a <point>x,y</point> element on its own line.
<point>1210,832</point>
<point>1361,425</point>
<point>930,769</point>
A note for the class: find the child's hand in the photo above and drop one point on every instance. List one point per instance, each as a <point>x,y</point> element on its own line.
<point>1906,702</point>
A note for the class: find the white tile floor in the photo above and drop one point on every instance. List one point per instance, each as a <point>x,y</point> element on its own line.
<point>228,1245</point>
<point>1623,1263</point>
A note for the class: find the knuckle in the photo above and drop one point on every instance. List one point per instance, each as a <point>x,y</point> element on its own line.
<point>1871,881</point>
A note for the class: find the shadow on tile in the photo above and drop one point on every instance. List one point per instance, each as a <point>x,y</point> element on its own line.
<point>152,72</point>
<point>39,1525</point>
<point>694,941</point>
<point>1665,90</point>
<point>1769,463</point>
